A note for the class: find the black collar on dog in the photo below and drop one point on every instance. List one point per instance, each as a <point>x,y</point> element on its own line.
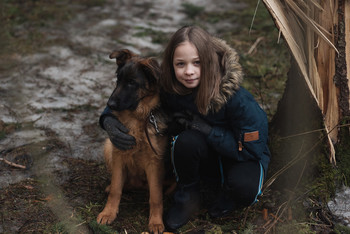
<point>153,121</point>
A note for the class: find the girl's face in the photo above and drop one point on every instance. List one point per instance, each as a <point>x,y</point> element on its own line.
<point>187,65</point>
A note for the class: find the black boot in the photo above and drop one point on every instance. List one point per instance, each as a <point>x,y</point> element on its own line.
<point>186,203</point>
<point>223,205</point>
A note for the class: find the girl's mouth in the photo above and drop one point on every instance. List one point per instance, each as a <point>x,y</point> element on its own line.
<point>191,80</point>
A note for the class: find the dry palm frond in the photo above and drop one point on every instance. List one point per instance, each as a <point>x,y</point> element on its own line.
<point>311,23</point>
<point>317,5</point>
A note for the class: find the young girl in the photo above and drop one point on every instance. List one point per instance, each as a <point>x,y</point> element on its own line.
<point>220,133</point>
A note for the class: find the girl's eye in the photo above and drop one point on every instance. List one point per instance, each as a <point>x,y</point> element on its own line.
<point>179,64</point>
<point>197,62</point>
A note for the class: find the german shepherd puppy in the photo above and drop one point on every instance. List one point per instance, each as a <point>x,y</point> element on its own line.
<point>135,102</point>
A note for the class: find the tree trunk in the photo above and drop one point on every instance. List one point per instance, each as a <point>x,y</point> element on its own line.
<point>317,33</point>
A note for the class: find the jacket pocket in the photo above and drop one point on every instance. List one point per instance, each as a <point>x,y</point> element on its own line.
<point>250,145</point>
<point>247,137</point>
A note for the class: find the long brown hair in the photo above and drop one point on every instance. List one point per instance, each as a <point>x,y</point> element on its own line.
<point>210,59</point>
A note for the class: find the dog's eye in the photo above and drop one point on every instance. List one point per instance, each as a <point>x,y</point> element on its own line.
<point>131,82</point>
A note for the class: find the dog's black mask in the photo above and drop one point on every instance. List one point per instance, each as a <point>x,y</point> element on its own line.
<point>136,79</point>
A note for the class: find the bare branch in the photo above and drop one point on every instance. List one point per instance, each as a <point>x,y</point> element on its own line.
<point>13,164</point>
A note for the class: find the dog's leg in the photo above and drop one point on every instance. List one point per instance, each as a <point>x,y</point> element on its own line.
<point>154,177</point>
<point>111,209</point>
<point>108,156</point>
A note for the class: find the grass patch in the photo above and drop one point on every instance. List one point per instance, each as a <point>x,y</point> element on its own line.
<point>340,229</point>
<point>158,37</point>
<point>102,229</point>
<point>8,128</point>
<point>264,60</point>
<point>191,10</point>
<point>294,227</point>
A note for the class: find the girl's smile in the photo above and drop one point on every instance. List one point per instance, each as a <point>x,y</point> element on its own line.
<point>187,65</point>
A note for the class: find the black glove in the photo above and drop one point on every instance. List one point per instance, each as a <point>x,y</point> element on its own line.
<point>118,133</point>
<point>192,121</point>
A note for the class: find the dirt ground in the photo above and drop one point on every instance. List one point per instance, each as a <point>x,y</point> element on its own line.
<point>55,80</point>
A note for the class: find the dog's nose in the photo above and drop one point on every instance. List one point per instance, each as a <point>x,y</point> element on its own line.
<point>113,104</point>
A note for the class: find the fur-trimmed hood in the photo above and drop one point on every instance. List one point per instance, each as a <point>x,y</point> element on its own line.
<point>232,77</point>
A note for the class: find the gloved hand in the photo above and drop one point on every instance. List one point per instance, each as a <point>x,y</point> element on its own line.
<point>192,121</point>
<point>118,133</point>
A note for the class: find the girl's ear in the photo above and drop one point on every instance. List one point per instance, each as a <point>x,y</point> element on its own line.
<point>122,56</point>
<point>151,68</point>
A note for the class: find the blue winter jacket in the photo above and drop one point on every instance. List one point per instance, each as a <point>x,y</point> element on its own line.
<point>240,125</point>
<point>240,129</point>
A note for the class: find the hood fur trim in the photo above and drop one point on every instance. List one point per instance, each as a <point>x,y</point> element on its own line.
<point>232,76</point>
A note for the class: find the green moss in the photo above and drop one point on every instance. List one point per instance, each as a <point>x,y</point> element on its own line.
<point>58,228</point>
<point>191,10</point>
<point>9,128</point>
<point>2,135</point>
<point>340,229</point>
<point>329,177</point>
<point>158,37</point>
<point>293,227</point>
<point>343,152</point>
<point>102,229</point>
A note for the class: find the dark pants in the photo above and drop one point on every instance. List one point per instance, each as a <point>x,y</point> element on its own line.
<point>194,160</point>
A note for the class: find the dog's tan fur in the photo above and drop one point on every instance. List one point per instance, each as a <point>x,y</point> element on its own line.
<point>139,165</point>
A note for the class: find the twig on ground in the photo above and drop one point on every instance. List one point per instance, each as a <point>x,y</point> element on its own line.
<point>246,215</point>
<point>13,164</point>
<point>277,218</point>
<point>253,47</point>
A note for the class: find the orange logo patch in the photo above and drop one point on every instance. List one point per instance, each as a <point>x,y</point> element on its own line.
<point>251,136</point>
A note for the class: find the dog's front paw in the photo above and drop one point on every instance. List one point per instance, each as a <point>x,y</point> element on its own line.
<point>156,228</point>
<point>106,217</point>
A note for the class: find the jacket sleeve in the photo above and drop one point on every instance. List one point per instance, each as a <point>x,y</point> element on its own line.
<point>244,137</point>
<point>224,142</point>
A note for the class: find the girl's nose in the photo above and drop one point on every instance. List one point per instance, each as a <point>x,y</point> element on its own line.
<point>189,70</point>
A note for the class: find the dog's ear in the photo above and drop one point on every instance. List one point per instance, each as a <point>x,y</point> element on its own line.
<point>121,56</point>
<point>152,69</point>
